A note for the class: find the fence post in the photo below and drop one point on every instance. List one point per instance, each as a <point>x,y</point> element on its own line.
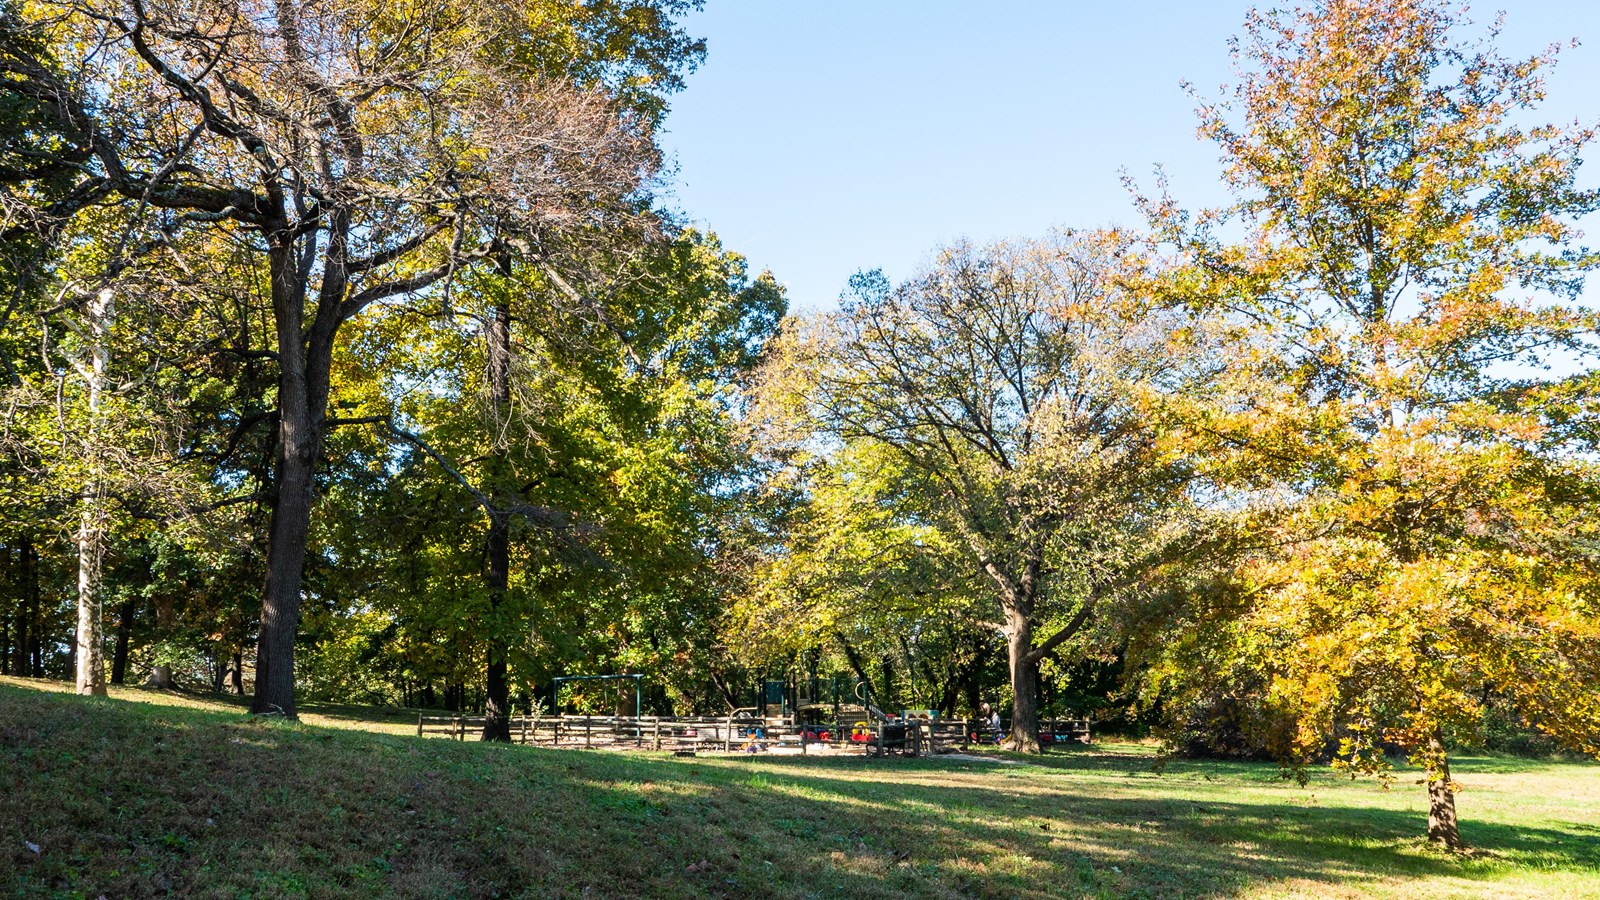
<point>419,724</point>
<point>588,732</point>
<point>657,733</point>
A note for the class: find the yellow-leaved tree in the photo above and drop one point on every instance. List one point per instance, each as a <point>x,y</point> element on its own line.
<point>1413,386</point>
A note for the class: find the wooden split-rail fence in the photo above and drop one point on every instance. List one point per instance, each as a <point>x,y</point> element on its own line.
<point>741,734</point>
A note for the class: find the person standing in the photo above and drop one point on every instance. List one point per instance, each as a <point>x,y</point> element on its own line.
<point>991,721</point>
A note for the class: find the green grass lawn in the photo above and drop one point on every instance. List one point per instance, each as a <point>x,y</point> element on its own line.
<point>182,794</point>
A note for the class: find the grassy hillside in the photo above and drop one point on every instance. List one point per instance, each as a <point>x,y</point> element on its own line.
<point>186,795</point>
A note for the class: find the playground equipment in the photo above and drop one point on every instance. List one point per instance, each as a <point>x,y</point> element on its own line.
<point>827,724</point>
<point>743,731</point>
<point>556,683</point>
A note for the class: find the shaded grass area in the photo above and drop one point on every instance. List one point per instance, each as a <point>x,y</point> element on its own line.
<point>187,796</point>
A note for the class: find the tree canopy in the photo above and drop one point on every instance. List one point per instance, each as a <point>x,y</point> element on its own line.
<point>354,351</point>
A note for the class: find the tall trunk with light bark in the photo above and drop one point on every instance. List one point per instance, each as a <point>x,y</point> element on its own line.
<point>497,691</point>
<point>29,644</point>
<point>91,538</point>
<point>22,623</point>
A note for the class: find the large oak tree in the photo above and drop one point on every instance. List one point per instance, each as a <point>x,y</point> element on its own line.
<point>1018,388</point>
<point>357,152</point>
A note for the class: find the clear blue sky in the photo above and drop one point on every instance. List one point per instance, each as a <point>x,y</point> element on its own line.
<point>823,137</point>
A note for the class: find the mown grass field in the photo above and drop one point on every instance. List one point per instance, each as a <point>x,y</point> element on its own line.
<point>183,795</point>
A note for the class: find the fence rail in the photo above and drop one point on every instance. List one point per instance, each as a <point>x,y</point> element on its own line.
<point>736,734</point>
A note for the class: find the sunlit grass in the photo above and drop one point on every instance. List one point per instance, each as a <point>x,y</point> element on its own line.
<point>183,793</point>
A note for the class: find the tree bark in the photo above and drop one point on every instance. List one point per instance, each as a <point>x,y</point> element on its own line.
<point>286,553</point>
<point>91,655</point>
<point>9,621</point>
<point>161,674</point>
<point>1024,680</point>
<point>30,644</point>
<point>119,659</point>
<point>1442,826</point>
<point>304,363</point>
<point>497,692</point>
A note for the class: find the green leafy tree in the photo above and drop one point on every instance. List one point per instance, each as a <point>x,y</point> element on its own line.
<point>1019,388</point>
<point>606,450</point>
<point>853,578</point>
<point>355,153</point>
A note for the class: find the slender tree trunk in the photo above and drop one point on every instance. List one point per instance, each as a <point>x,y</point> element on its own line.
<point>91,659</point>
<point>10,616</point>
<point>1442,826</point>
<point>889,698</point>
<point>161,674</point>
<point>497,699</point>
<point>497,691</point>
<point>119,659</point>
<point>19,635</point>
<point>238,671</point>
<point>33,647</point>
<point>858,666</point>
<point>1024,681</point>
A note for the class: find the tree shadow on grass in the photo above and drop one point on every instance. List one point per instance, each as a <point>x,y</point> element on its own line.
<point>386,715</point>
<point>1053,840</point>
<point>197,803</point>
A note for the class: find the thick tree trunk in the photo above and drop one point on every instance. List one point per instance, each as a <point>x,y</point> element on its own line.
<point>1024,680</point>
<point>166,617</point>
<point>119,659</point>
<point>497,692</point>
<point>299,445</point>
<point>304,363</point>
<point>1442,825</point>
<point>91,655</point>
